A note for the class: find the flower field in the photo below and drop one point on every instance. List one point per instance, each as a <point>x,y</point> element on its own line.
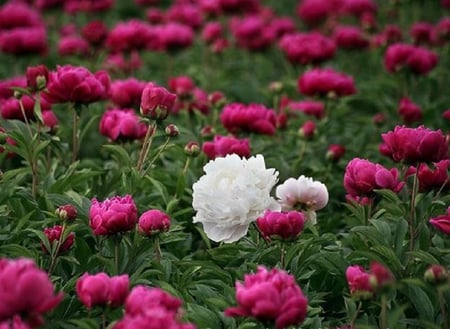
<point>230,164</point>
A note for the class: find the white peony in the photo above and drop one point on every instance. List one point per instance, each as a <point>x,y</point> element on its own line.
<point>233,193</point>
<point>302,193</point>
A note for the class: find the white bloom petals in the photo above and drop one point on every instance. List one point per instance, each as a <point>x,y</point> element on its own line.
<point>233,193</point>
<point>304,192</point>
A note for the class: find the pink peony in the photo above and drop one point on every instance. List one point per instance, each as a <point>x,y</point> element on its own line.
<point>223,145</point>
<point>95,32</point>
<point>53,235</point>
<point>256,118</point>
<point>358,282</point>
<point>409,111</point>
<point>270,295</point>
<point>286,225</point>
<point>153,222</point>
<point>326,82</point>
<point>413,145</point>
<point>442,222</point>
<point>102,290</point>
<point>350,37</point>
<point>127,93</point>
<point>156,101</point>
<point>122,124</point>
<point>111,216</point>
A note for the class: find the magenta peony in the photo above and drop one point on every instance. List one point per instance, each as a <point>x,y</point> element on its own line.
<point>223,145</point>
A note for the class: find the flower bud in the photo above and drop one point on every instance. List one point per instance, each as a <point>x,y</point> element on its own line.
<point>172,130</point>
<point>66,212</point>
<point>54,235</point>
<point>308,130</point>
<point>436,274</point>
<point>276,87</point>
<point>37,77</point>
<point>335,152</point>
<point>217,99</point>
<point>156,102</point>
<point>207,132</point>
<point>17,94</point>
<point>153,222</point>
<point>192,149</point>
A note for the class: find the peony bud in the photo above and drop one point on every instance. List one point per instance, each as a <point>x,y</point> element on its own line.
<point>172,130</point>
<point>156,102</point>
<point>37,77</point>
<point>335,152</point>
<point>153,222</point>
<point>276,87</point>
<point>192,149</point>
<point>436,274</point>
<point>308,130</point>
<point>66,212</point>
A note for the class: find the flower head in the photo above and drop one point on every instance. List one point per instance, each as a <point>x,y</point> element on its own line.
<point>442,222</point>
<point>286,225</point>
<point>232,194</point>
<point>153,221</point>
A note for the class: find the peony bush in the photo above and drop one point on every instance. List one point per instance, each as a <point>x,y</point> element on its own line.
<point>224,164</point>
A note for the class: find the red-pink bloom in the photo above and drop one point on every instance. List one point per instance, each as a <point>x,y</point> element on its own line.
<point>129,35</point>
<point>409,111</point>
<point>359,7</point>
<point>422,33</point>
<point>211,32</point>
<point>286,225</point>
<point>37,77</point>
<point>127,93</point>
<point>88,6</point>
<point>308,129</point>
<point>77,84</point>
<point>50,119</point>
<point>434,176</point>
<point>242,6</point>
<point>446,114</point>
<point>358,282</point>
<point>252,32</point>
<point>380,276</point>
<point>350,37</point>
<point>123,64</point>
<point>111,216</point>
<point>417,59</point>
<point>314,12</point>
<point>155,15</point>
<point>270,295</point>
<point>223,145</point>
<point>25,291</point>
<point>15,323</point>
<point>143,298</point>
<point>362,177</point>
<point>413,145</point>
<point>391,34</point>
<point>442,30</point>
<point>308,107</point>
<point>53,235</point>
<point>17,14</point>
<point>10,109</point>
<point>95,32</point>
<point>182,85</point>
<point>5,86</point>
<point>326,82</point>
<point>335,152</point>
<point>73,45</point>
<point>156,101</point>
<point>24,41</point>
<point>153,222</point>
<point>256,118</point>
<point>282,26</point>
<point>442,222</point>
<point>185,13</point>
<point>307,48</point>
<point>122,124</point>
<point>101,290</point>
<point>175,36</point>
<point>445,3</point>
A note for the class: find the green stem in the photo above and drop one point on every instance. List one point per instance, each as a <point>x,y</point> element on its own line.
<point>55,251</point>
<point>355,316</point>
<point>444,315</point>
<point>161,149</point>
<point>157,248</point>
<point>116,254</point>
<point>412,210</point>
<point>75,134</point>
<point>282,254</point>
<point>302,151</point>
<point>146,145</point>
<point>383,319</point>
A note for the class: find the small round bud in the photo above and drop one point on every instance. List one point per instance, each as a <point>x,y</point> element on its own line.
<point>217,99</point>
<point>66,212</point>
<point>335,152</point>
<point>172,130</point>
<point>192,149</point>
<point>436,274</point>
<point>308,130</point>
<point>207,132</point>
<point>17,94</point>
<point>153,222</point>
<point>276,87</point>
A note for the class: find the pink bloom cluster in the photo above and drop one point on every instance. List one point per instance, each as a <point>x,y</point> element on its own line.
<point>364,284</point>
<point>271,296</point>
<point>26,292</point>
<point>434,176</point>
<point>417,59</point>
<point>54,237</point>
<point>223,145</point>
<point>285,225</point>
<point>102,290</point>
<point>122,124</point>
<point>152,308</point>
<point>256,118</point>
<point>326,82</point>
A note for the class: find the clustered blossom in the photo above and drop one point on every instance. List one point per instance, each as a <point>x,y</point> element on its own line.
<point>432,176</point>
<point>127,93</point>
<point>278,224</point>
<point>147,307</point>
<point>362,177</point>
<point>326,82</point>
<point>417,59</point>
<point>409,111</point>
<point>122,124</point>
<point>413,145</point>
<point>223,145</point>
<point>231,195</point>
<point>25,291</point>
<point>256,118</point>
<point>350,37</point>
<point>363,284</point>
<point>111,216</point>
<point>54,235</point>
<point>270,295</point>
<point>102,290</point>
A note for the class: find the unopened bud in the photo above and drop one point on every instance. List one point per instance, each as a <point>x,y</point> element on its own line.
<point>207,132</point>
<point>276,87</point>
<point>192,149</point>
<point>308,130</point>
<point>172,130</point>
<point>17,94</point>
<point>66,212</point>
<point>335,152</point>
<point>436,274</point>
<point>41,82</point>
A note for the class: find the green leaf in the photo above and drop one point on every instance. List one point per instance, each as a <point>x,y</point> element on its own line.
<point>118,152</point>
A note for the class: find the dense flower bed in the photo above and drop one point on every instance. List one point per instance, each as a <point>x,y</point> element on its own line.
<point>224,164</point>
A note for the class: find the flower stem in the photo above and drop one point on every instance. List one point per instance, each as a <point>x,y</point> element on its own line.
<point>412,210</point>
<point>161,149</point>
<point>75,134</point>
<point>444,315</point>
<point>146,145</point>
<point>355,316</point>
<point>383,320</point>
<point>157,249</point>
<point>55,251</point>
<point>116,254</point>
<point>282,254</point>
